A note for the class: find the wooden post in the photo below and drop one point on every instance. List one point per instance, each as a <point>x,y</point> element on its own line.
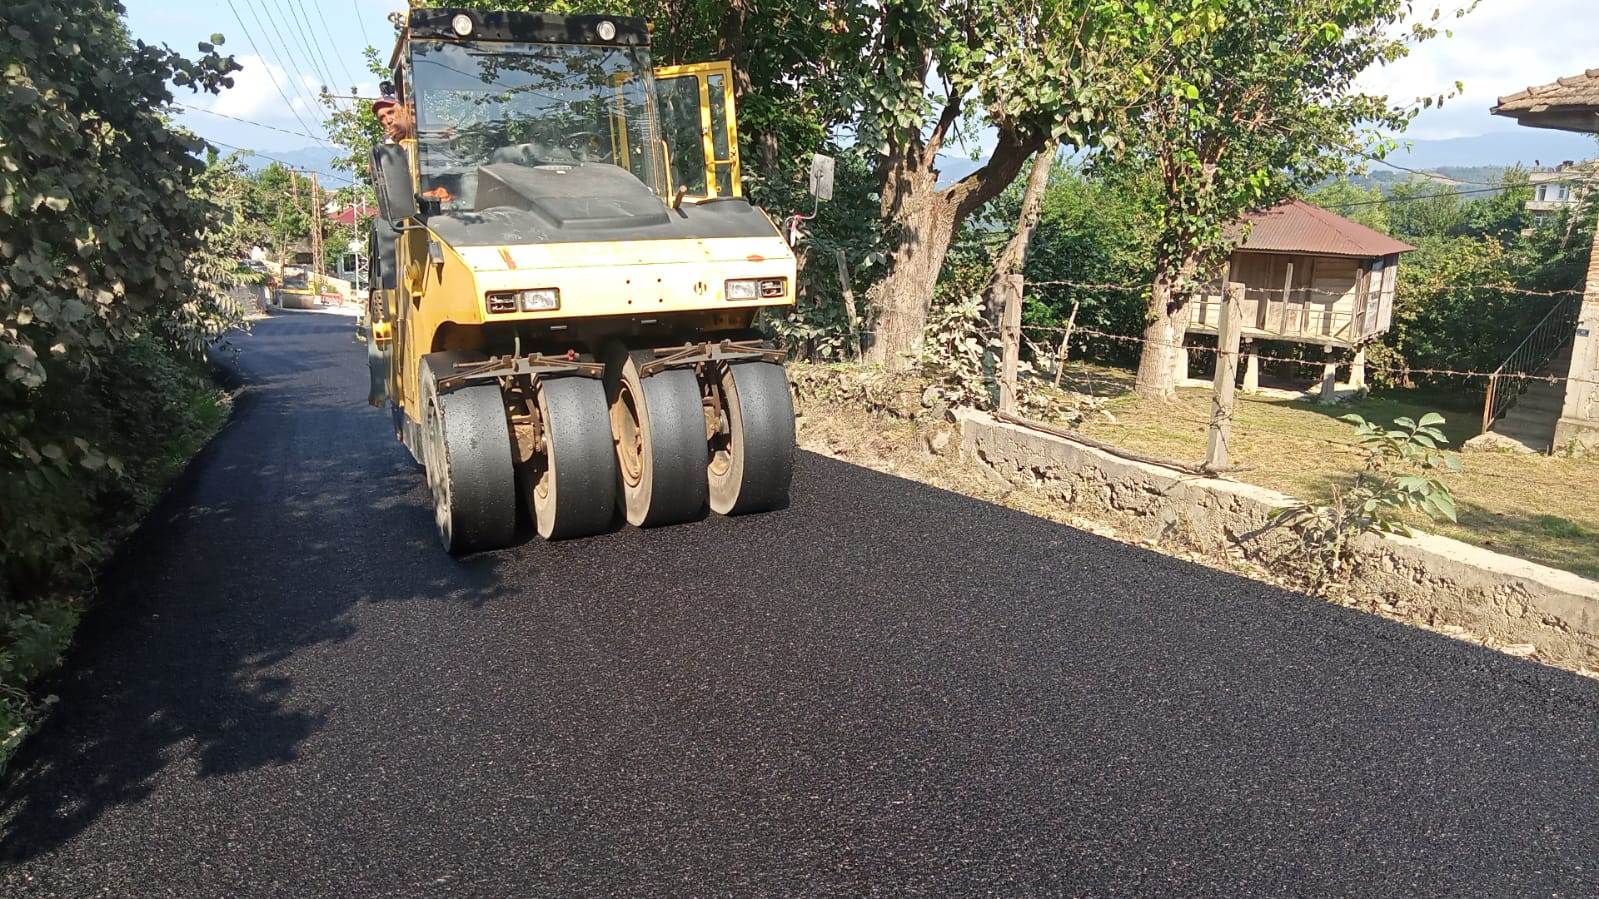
<point>317,263</point>
<point>1010,336</point>
<point>1357,370</point>
<point>849,301</point>
<point>1252,370</point>
<point>1065,345</point>
<point>1228,330</point>
<point>1329,379</point>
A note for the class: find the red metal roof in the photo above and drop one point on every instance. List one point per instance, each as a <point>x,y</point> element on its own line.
<point>349,217</point>
<point>1294,226</point>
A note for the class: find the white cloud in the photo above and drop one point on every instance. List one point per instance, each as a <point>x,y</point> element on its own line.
<point>258,91</point>
<point>1500,48</point>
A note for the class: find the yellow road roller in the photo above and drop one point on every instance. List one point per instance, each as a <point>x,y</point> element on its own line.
<point>566,278</point>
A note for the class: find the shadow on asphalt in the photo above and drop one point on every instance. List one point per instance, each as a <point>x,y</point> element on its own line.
<point>884,688</point>
<point>162,670</point>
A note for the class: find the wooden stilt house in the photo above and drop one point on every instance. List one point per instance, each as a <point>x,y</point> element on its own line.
<point>1310,277</point>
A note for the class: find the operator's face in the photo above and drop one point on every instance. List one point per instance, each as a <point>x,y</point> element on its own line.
<point>396,122</point>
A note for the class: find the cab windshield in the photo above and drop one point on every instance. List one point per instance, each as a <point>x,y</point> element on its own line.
<point>481,103</point>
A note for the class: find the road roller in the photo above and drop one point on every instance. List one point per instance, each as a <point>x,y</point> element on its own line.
<point>566,280</point>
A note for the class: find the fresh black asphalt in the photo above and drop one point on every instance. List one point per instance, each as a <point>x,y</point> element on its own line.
<point>289,690</point>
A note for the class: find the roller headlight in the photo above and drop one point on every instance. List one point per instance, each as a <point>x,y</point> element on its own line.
<point>542,299</point>
<point>743,289</point>
<point>462,24</point>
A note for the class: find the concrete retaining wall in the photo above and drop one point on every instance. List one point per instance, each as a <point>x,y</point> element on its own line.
<point>1435,580</point>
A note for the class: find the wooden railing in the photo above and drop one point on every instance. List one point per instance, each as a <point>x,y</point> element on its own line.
<point>1509,381</point>
<point>1289,322</point>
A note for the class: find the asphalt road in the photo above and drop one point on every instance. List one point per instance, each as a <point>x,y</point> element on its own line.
<point>885,689</point>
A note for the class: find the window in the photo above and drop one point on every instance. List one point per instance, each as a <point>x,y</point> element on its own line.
<point>699,125</point>
<point>480,103</point>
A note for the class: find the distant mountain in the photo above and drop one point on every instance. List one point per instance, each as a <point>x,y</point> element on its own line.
<point>1499,150</point>
<point>954,168</point>
<point>1524,146</point>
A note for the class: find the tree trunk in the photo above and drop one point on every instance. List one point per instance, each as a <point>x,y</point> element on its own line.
<point>730,45</point>
<point>1014,256</point>
<point>1167,324</point>
<point>923,221</point>
<point>904,295</point>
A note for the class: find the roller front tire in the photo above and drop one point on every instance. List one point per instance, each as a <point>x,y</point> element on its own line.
<point>573,485</point>
<point>658,429</point>
<point>471,470</point>
<point>752,452</point>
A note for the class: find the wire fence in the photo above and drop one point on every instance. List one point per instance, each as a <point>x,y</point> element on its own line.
<point>1052,348</point>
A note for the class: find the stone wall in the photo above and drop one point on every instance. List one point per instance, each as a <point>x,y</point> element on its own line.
<point>1443,583</point>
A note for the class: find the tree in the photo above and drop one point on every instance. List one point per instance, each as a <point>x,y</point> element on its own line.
<point>99,222</point>
<point>1244,113</point>
<point>1036,72</point>
<point>1014,256</point>
<point>1362,205</point>
<point>1421,208</point>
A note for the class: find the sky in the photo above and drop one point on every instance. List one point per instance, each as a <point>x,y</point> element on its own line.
<point>1500,48</point>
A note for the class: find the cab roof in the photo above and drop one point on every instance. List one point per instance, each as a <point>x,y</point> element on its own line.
<point>436,23</point>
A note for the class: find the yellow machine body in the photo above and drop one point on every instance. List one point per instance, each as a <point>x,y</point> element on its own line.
<point>606,289</point>
<point>656,291</point>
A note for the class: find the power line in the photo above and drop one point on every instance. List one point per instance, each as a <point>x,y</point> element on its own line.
<point>284,162</point>
<point>283,45</point>
<point>290,71</point>
<point>1430,175</point>
<point>328,34</point>
<point>361,21</point>
<point>264,64</point>
<point>235,118</point>
<point>309,45</point>
<point>1449,193</point>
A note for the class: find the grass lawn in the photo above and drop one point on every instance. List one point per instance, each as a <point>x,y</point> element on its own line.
<point>1540,508</point>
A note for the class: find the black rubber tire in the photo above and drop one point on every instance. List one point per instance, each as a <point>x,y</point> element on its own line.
<point>572,490</point>
<point>662,481</point>
<point>471,470</point>
<point>752,472</point>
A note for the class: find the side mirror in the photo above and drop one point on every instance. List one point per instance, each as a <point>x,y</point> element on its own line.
<point>391,177</point>
<point>821,177</point>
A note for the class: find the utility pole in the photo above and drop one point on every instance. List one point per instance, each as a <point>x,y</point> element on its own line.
<point>316,236</point>
<point>283,233</point>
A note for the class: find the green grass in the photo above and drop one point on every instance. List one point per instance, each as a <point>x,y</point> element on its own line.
<point>1541,508</point>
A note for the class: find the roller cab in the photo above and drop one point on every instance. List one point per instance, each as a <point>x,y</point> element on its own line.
<point>564,323</point>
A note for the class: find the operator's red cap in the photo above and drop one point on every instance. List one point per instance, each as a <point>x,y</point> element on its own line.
<point>379,103</point>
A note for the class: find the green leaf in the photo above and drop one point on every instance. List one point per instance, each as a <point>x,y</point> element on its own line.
<point>1431,418</point>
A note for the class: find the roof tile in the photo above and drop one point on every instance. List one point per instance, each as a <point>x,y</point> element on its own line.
<point>1294,226</point>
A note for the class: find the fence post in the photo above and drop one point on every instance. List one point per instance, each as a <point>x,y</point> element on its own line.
<point>1010,336</point>
<point>1329,379</point>
<point>849,301</point>
<point>1065,345</point>
<point>1228,330</point>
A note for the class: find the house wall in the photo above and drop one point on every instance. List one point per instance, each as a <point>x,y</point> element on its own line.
<point>1578,428</point>
<point>1293,295</point>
